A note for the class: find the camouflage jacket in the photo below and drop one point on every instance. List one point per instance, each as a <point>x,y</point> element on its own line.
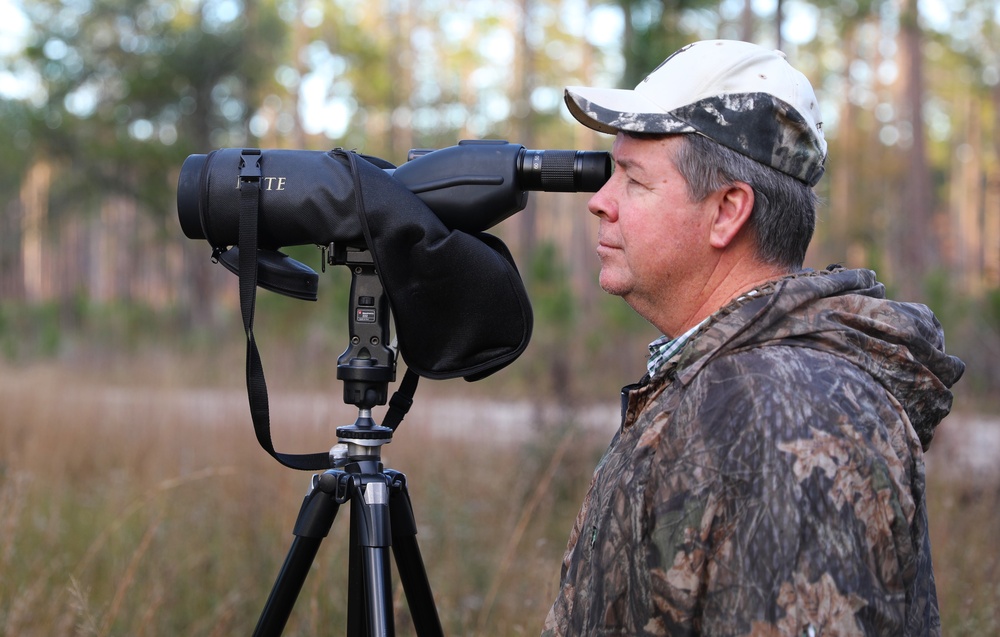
<point>770,481</point>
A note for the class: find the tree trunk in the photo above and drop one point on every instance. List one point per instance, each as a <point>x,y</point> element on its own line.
<point>524,78</point>
<point>747,22</point>
<point>919,250</point>
<point>778,20</point>
<point>991,221</point>
<point>35,204</point>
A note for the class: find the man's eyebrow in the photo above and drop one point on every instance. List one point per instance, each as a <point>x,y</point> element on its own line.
<point>629,163</point>
<point>623,162</point>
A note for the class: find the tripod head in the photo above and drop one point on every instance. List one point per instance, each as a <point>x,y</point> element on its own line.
<point>368,364</point>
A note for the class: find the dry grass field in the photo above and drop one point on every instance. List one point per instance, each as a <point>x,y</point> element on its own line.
<point>139,504</point>
<point>135,501</point>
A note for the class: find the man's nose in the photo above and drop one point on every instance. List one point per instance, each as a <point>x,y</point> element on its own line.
<point>601,204</point>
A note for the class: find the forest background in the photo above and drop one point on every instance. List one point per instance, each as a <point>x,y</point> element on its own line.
<point>120,348</point>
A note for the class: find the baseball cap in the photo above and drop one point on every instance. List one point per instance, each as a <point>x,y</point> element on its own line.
<point>741,95</point>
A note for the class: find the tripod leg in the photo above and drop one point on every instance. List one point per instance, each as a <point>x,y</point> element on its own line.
<point>357,617</point>
<point>313,524</point>
<point>370,523</point>
<point>410,564</point>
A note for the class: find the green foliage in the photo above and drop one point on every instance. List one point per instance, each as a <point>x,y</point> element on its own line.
<point>49,330</point>
<point>548,286</point>
<point>133,86</point>
<point>30,331</point>
<point>655,31</point>
<point>991,309</point>
<point>942,297</point>
<point>972,331</point>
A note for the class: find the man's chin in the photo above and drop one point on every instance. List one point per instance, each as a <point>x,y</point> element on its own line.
<point>613,285</point>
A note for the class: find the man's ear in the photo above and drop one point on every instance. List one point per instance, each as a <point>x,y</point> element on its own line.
<point>734,205</point>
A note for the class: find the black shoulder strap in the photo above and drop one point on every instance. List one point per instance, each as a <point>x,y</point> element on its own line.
<point>250,176</point>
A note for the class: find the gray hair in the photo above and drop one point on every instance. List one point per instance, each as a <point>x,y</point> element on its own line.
<point>784,208</point>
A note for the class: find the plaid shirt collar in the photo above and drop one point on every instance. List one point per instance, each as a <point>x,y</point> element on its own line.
<point>664,348</point>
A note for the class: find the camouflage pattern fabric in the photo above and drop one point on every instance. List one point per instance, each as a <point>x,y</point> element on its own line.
<point>770,481</point>
<point>758,125</point>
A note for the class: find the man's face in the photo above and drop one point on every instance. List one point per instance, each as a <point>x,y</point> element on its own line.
<point>653,241</point>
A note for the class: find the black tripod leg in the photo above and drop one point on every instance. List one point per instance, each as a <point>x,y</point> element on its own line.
<point>357,617</point>
<point>370,523</point>
<point>410,564</point>
<point>313,524</point>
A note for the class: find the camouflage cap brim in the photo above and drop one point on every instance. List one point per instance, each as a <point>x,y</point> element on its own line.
<point>610,121</point>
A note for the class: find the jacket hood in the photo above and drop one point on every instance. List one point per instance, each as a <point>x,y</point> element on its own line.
<point>844,312</point>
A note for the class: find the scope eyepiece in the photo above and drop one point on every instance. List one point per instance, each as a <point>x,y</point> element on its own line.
<point>564,170</point>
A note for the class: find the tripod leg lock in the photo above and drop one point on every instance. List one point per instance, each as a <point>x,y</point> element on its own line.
<point>316,515</point>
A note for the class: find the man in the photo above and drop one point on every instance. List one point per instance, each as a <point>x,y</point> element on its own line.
<point>768,476</point>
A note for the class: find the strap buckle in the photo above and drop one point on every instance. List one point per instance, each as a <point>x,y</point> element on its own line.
<point>250,165</point>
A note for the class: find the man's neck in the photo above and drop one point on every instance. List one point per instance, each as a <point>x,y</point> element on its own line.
<point>725,285</point>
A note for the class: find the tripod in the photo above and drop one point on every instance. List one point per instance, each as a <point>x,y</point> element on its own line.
<point>381,511</point>
<point>381,515</point>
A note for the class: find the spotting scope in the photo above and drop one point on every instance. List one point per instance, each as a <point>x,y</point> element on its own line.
<point>307,197</point>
